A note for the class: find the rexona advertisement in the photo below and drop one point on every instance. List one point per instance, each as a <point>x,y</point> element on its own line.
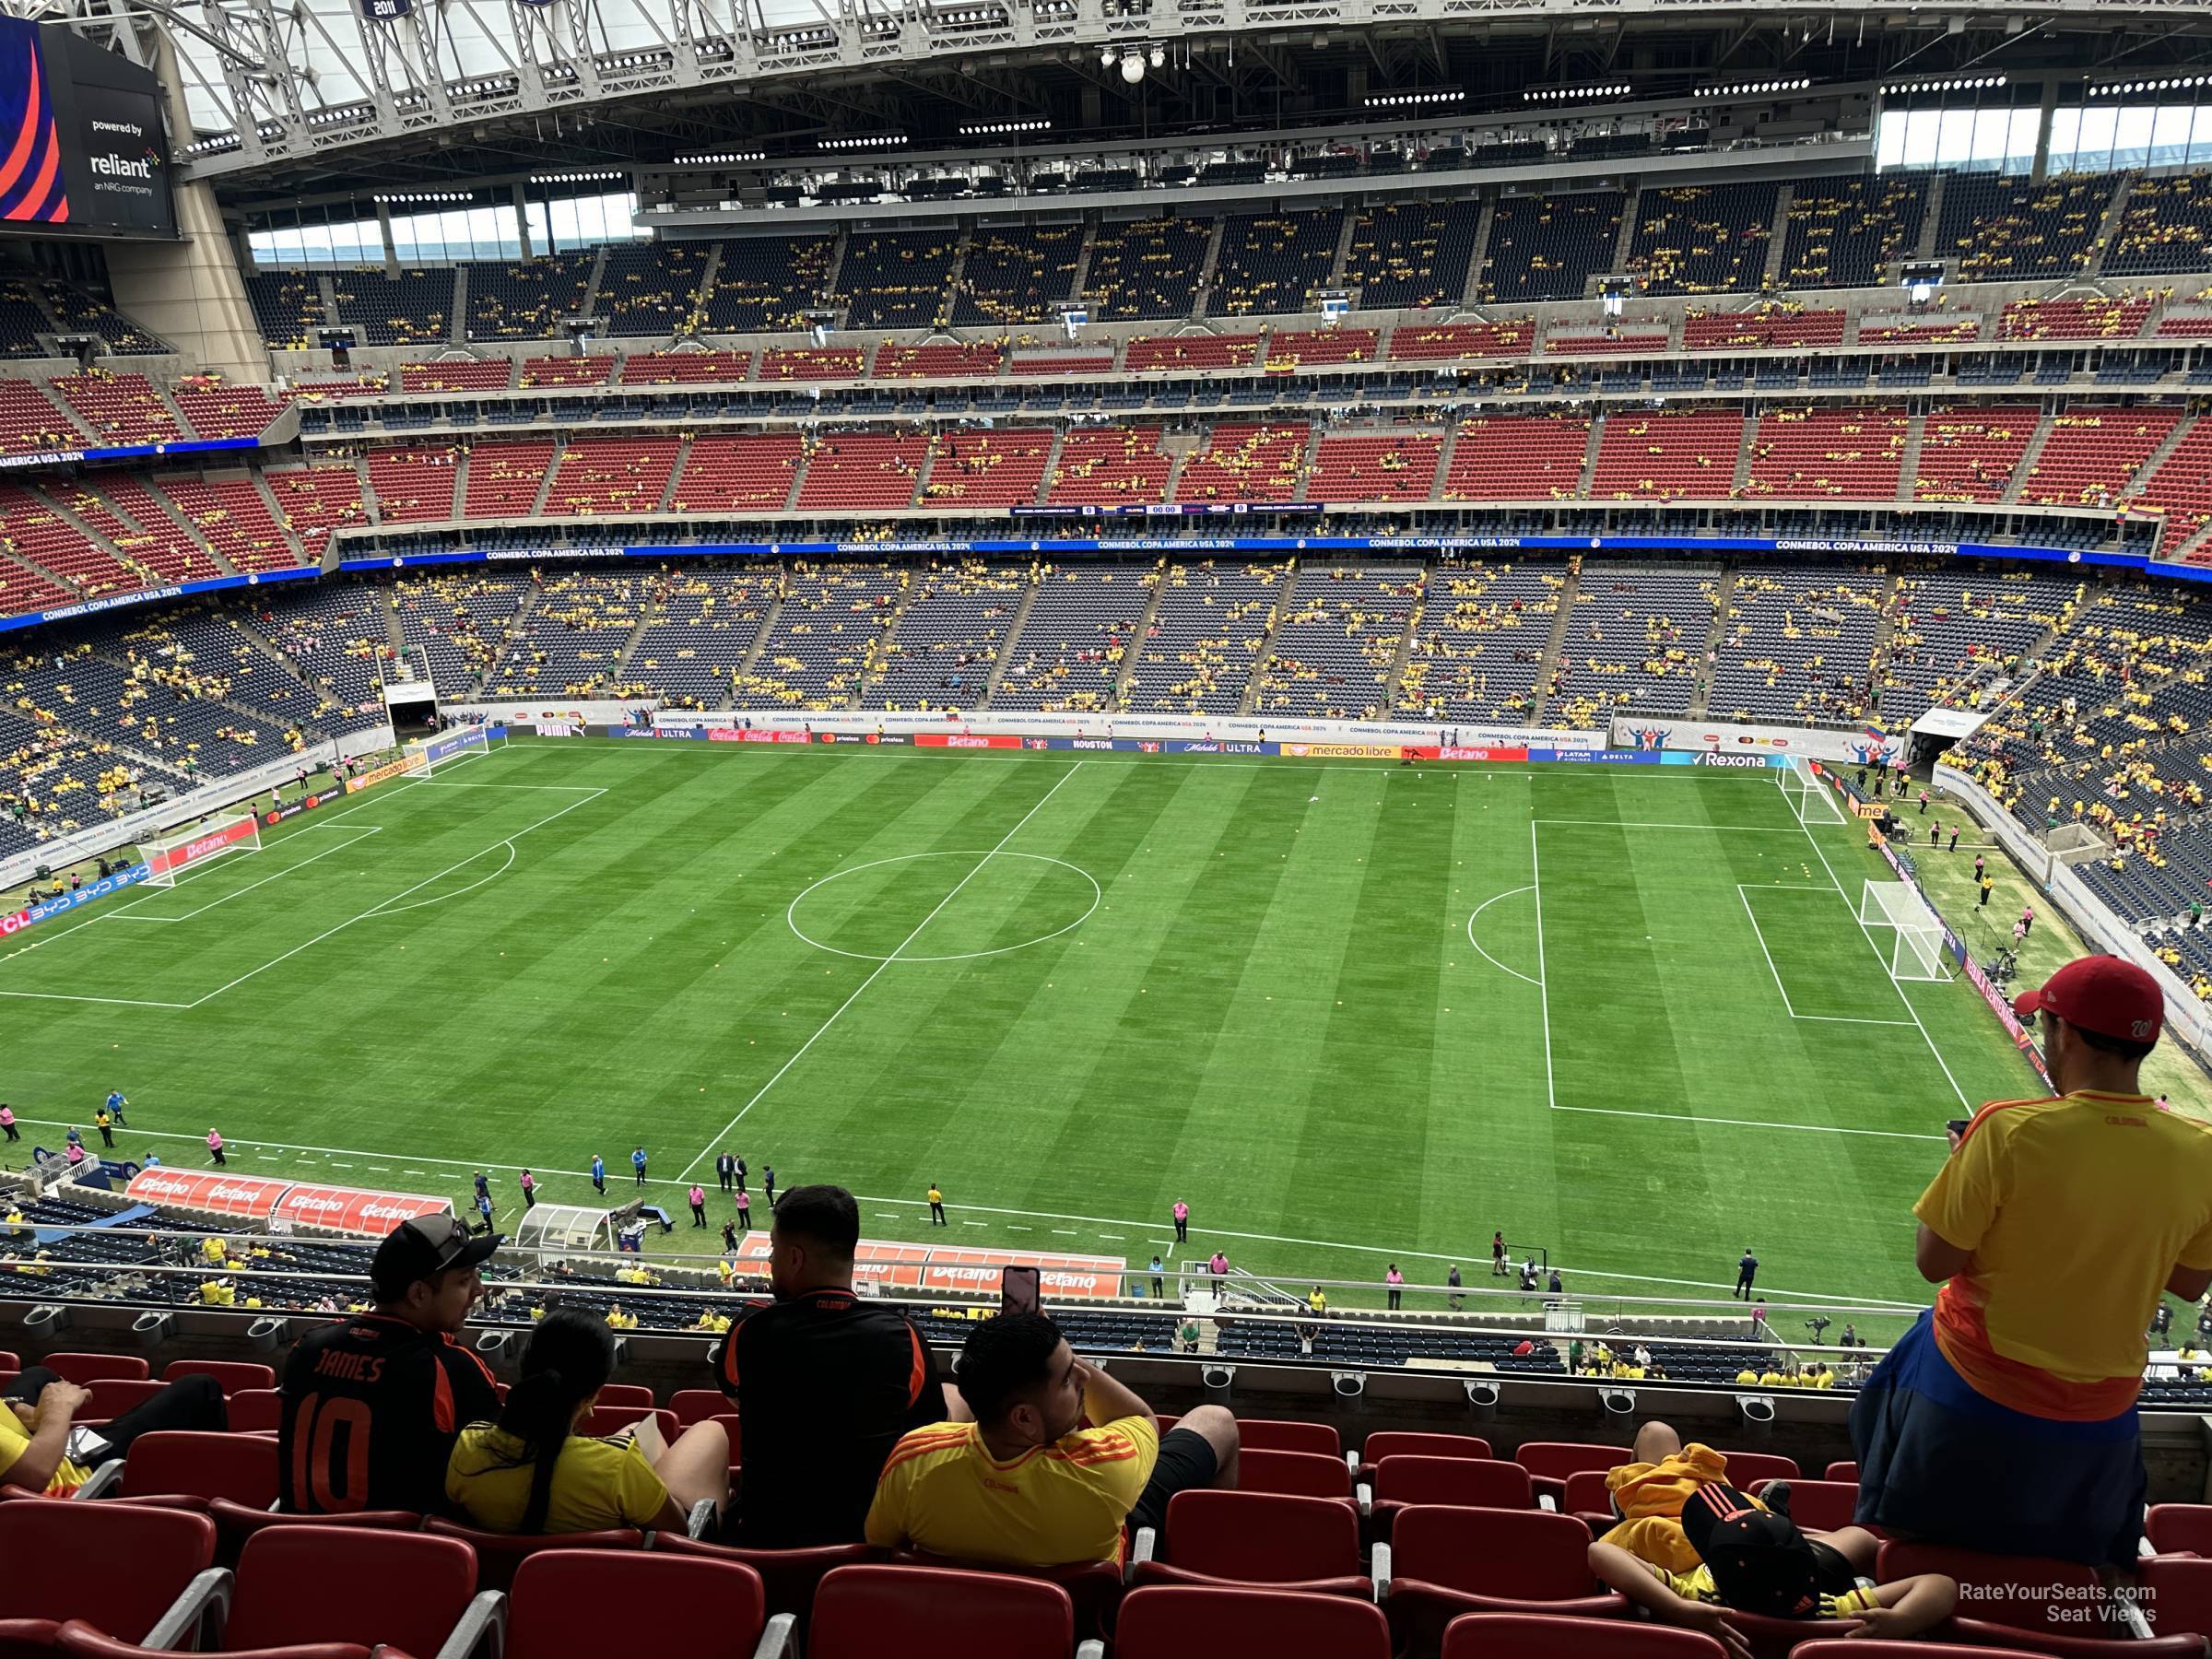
<point>81,139</point>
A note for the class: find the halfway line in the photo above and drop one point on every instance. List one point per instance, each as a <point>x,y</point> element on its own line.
<point>872,977</point>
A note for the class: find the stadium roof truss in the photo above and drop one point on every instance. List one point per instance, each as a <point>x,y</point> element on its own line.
<point>276,84</point>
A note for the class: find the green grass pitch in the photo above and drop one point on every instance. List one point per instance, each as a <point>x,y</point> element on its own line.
<point>1352,1013</point>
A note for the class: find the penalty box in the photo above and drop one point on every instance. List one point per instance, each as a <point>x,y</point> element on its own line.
<point>410,846</point>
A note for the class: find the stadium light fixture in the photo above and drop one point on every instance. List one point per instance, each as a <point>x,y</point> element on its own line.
<point>1133,67</point>
<point>993,129</point>
<point>1398,100</point>
<point>422,198</point>
<point>864,141</point>
<point>722,158</point>
<point>2179,82</point>
<point>1159,58</point>
<point>1753,88</point>
<point>1971,82</point>
<point>1578,94</point>
<point>576,178</point>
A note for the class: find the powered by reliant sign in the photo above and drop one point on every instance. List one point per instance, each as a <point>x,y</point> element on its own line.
<point>114,148</point>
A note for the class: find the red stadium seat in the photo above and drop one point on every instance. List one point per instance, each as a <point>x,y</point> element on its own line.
<point>1476,1482</point>
<point>181,1462</point>
<point>256,1411</point>
<point>10,1362</point>
<point>697,1404</point>
<point>1265,1434</point>
<point>788,1577</point>
<point>1747,1471</point>
<point>1094,1588</point>
<point>1294,1474</point>
<point>1215,1537</point>
<point>938,1613</point>
<point>2031,1603</point>
<point>51,1548</point>
<point>628,1393</point>
<point>1549,1463</point>
<point>620,1601</point>
<point>112,1397</point>
<point>2180,1528</point>
<point>1174,1621</point>
<point>2177,1599</point>
<point>1823,1505</point>
<point>313,1593</point>
<point>88,1369</point>
<point>235,1524</point>
<point>1447,1561</point>
<point>233,1375</point>
<point>1842,1471</point>
<point>500,1554</point>
<point>1399,1442</point>
<point>606,1420</point>
<point>1546,1636</point>
<point>1586,1494</point>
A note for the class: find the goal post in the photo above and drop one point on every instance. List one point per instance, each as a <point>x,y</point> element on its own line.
<point>202,844</point>
<point>430,753</point>
<point>1916,948</point>
<point>1811,798</point>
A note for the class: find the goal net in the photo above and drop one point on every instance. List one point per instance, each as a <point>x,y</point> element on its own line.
<point>1917,950</point>
<point>460,743</point>
<point>1811,799</point>
<point>203,844</point>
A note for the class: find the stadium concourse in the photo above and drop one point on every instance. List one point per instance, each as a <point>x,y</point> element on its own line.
<point>1387,716</point>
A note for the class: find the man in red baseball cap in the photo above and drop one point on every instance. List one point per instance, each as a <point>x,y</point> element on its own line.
<point>2004,1420</point>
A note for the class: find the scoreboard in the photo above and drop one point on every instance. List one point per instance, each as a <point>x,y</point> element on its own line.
<point>83,148</point>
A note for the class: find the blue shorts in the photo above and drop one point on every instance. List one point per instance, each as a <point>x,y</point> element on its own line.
<point>1940,1463</point>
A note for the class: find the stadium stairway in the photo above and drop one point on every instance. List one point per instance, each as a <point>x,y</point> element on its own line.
<point>1156,585</point>
<point>1721,596</point>
<point>1557,643</point>
<point>1005,654</point>
<point>1278,608</point>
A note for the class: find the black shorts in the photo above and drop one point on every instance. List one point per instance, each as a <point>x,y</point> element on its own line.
<point>1186,1463</point>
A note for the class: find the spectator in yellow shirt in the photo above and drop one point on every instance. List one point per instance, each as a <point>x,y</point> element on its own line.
<point>532,1473</point>
<point>2054,1227</point>
<point>1023,1485</point>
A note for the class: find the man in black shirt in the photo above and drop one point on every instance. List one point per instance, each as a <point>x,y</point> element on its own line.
<point>824,1383</point>
<point>371,1402</point>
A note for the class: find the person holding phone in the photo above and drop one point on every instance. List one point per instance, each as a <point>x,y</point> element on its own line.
<point>980,1492</point>
<point>2005,1419</point>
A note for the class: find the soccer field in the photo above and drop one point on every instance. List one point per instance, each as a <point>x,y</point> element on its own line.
<point>1352,1013</point>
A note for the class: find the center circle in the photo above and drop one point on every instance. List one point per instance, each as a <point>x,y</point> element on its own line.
<point>976,860</point>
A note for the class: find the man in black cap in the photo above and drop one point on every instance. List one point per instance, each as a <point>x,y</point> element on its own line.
<point>1757,1560</point>
<point>373,1403</point>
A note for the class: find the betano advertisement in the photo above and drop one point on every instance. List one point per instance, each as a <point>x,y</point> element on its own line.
<point>81,138</point>
<point>263,1198</point>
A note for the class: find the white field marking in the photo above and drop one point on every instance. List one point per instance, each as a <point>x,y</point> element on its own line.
<point>385,907</point>
<point>1069,1230</point>
<point>1763,951</point>
<point>1874,945</point>
<point>1486,956</point>
<point>919,1204</point>
<point>1744,892</point>
<point>472,886</point>
<point>876,973</point>
<point>358,832</point>
<point>1535,869</point>
<point>121,1002</point>
<point>1688,1117</point>
<point>791,909</point>
<point>1644,824</point>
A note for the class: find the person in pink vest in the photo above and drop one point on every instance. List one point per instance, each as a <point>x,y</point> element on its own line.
<point>744,1207</point>
<point>215,1146</point>
<point>1182,1221</point>
<point>8,1123</point>
<point>1396,1282</point>
<point>699,1204</point>
<point>528,1183</point>
<point>1218,1268</point>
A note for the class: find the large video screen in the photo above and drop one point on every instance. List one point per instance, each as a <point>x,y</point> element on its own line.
<point>81,142</point>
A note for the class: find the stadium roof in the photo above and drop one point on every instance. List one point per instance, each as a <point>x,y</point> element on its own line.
<point>316,94</point>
